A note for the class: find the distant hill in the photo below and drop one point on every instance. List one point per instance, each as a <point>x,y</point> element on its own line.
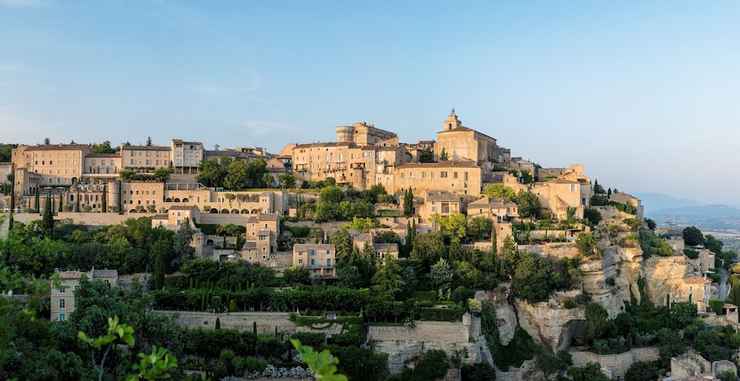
<point>706,217</point>
<point>655,202</point>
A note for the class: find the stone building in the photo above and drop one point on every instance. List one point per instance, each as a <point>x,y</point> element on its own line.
<point>364,134</point>
<point>63,289</point>
<point>145,159</point>
<point>262,232</point>
<point>99,165</point>
<point>457,142</point>
<point>440,203</point>
<point>53,164</point>
<point>142,196</point>
<point>496,209</point>
<point>186,156</point>
<point>459,177</point>
<point>318,258</point>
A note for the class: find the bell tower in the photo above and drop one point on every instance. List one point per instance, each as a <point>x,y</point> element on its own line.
<point>452,122</point>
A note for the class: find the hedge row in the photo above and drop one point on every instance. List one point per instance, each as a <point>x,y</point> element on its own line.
<point>325,298</point>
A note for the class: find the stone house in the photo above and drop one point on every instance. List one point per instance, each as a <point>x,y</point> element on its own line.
<point>496,209</point>
<point>63,293</point>
<point>439,203</point>
<point>318,258</point>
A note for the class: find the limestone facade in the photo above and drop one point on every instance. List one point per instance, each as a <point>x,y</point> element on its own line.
<point>460,177</point>
<point>145,159</point>
<point>439,203</point>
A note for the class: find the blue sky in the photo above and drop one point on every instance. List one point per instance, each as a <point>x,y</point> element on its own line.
<point>645,94</point>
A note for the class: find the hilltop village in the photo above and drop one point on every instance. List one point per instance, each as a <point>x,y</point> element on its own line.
<point>446,259</point>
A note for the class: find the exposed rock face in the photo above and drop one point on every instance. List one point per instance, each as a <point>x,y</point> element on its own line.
<point>527,372</point>
<point>548,322</point>
<point>612,280</point>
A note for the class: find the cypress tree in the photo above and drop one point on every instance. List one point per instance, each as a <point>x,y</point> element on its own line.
<point>61,203</point>
<point>37,201</point>
<point>105,198</point>
<point>47,222</point>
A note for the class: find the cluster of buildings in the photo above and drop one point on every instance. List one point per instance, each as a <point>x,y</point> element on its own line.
<point>446,175</point>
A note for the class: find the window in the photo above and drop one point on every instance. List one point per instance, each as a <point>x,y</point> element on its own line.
<point>61,304</point>
<point>313,262</point>
<point>62,289</point>
<point>328,261</point>
<point>61,316</point>
<point>454,175</point>
<point>443,174</point>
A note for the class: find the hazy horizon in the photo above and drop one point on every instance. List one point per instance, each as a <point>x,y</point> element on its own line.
<point>643,94</point>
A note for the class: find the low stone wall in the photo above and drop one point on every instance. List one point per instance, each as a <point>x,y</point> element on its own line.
<point>223,219</point>
<point>555,249</point>
<point>618,364</point>
<point>267,322</point>
<point>89,219</point>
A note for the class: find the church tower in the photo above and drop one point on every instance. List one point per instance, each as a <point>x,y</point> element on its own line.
<point>452,122</point>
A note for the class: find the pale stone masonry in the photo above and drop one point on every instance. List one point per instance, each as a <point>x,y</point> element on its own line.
<point>63,294</point>
<point>318,258</point>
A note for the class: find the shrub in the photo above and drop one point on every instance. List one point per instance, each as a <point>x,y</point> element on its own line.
<point>478,372</point>
<point>690,253</point>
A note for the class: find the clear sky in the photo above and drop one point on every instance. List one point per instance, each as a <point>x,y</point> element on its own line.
<point>644,93</point>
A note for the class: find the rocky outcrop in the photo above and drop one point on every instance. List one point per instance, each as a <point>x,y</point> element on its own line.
<point>549,322</point>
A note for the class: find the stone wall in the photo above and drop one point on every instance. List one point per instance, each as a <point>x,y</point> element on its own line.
<point>616,365</point>
<point>403,343</point>
<point>555,249</point>
<point>267,322</point>
<point>89,219</point>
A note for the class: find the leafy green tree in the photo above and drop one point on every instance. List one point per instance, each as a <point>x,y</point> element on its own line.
<point>589,372</point>
<point>156,365</point>
<point>118,333</point>
<point>428,248</point>
<point>297,275</point>
<point>388,280</point>
<point>163,174</point>
<point>236,175</point>
<point>528,204</point>
<point>713,244</point>
<point>499,191</point>
<point>692,236</point>
<point>441,275</point>
<point>592,216</point>
<point>287,181</point>
<point>587,245</point>
<point>643,371</point>
<point>443,155</point>
<point>126,174</point>
<point>682,314</point>
<point>453,226</point>
<point>103,148</point>
<point>478,372</point>
<point>322,364</point>
<point>212,172</point>
<point>597,321</point>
